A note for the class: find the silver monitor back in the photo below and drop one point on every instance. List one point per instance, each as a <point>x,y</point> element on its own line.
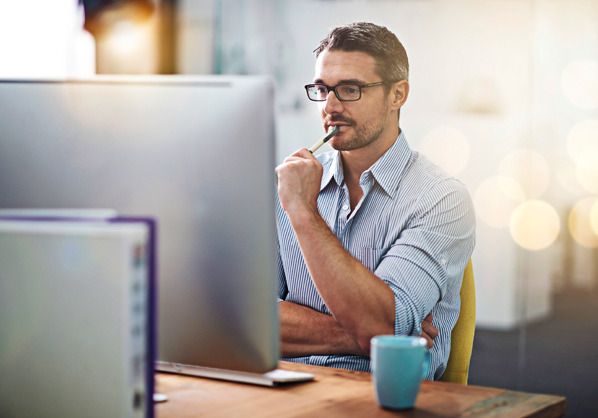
<point>73,298</point>
<point>195,153</point>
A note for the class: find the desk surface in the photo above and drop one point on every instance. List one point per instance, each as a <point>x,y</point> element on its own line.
<point>340,393</point>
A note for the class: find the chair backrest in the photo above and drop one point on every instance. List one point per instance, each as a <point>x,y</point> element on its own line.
<point>457,368</point>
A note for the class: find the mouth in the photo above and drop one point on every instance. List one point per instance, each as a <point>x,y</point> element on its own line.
<point>337,124</point>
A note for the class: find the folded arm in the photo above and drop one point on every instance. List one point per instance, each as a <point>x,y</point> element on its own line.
<point>360,303</point>
<point>304,332</point>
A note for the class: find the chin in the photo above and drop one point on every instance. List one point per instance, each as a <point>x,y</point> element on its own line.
<point>343,146</point>
<point>339,139</point>
<point>337,144</point>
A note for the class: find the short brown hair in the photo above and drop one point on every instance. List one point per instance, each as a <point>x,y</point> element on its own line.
<point>377,41</point>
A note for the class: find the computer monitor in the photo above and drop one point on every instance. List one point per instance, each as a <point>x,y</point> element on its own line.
<point>195,153</point>
<point>75,295</point>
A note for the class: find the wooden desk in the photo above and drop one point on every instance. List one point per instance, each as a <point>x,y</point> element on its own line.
<point>340,393</point>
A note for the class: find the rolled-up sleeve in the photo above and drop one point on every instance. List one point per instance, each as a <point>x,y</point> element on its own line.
<point>430,254</point>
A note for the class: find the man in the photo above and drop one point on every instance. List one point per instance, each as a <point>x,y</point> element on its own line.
<point>372,237</point>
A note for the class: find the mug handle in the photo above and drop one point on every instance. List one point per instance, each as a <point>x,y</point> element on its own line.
<point>426,364</point>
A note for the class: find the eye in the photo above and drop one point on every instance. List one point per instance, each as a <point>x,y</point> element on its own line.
<point>321,89</point>
<point>349,90</point>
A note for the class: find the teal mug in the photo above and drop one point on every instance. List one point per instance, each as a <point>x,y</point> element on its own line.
<point>399,364</point>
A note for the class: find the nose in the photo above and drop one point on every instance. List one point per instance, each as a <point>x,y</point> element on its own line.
<point>332,104</point>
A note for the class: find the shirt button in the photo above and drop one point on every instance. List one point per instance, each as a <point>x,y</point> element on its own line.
<point>345,207</point>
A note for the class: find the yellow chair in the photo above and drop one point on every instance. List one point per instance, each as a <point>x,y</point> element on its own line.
<point>457,368</point>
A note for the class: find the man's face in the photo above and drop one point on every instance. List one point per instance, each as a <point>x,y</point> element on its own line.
<point>361,122</point>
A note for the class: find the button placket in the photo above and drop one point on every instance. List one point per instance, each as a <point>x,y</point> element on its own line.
<point>343,211</point>
<point>366,185</point>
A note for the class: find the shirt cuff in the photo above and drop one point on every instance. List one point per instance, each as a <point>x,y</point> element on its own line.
<point>405,323</point>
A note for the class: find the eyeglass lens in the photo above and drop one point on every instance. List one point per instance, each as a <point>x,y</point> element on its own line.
<point>320,92</point>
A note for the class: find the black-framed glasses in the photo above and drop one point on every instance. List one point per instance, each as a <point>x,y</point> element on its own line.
<point>345,92</point>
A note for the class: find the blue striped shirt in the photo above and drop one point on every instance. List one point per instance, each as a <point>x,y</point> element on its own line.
<point>414,228</point>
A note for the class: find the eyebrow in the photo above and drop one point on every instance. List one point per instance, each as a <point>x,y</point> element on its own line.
<point>346,81</point>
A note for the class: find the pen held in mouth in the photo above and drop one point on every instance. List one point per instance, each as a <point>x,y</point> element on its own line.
<point>333,130</point>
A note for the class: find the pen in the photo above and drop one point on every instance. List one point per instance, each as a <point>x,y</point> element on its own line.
<point>333,130</point>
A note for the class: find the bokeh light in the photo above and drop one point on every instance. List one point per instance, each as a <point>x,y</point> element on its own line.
<point>529,168</point>
<point>580,222</point>
<point>448,148</point>
<point>587,178</point>
<point>594,217</point>
<point>582,146</point>
<point>566,177</point>
<point>496,198</point>
<point>582,143</point>
<point>579,82</point>
<point>534,225</point>
<point>128,38</point>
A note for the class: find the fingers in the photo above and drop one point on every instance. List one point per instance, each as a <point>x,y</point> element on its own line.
<point>298,158</point>
<point>429,341</point>
<point>291,163</point>
<point>303,153</point>
<point>429,329</point>
<point>299,178</point>
<point>290,160</point>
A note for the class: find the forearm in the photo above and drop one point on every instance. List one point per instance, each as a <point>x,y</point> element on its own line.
<point>304,331</point>
<point>361,303</point>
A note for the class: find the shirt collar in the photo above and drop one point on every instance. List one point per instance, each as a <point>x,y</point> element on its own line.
<point>333,168</point>
<point>386,171</point>
<point>389,168</point>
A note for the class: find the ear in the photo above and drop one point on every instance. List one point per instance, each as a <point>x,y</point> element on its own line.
<point>398,94</point>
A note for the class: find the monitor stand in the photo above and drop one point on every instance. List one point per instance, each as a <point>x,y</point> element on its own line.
<point>274,377</point>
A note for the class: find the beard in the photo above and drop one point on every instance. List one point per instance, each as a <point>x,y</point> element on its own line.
<point>364,134</point>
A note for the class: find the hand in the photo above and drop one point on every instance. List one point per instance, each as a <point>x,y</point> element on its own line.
<point>429,331</point>
<point>299,178</point>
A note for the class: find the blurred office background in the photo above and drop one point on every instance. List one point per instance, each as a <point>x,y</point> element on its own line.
<point>504,95</point>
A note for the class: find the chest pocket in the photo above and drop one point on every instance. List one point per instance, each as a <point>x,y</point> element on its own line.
<point>369,257</point>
